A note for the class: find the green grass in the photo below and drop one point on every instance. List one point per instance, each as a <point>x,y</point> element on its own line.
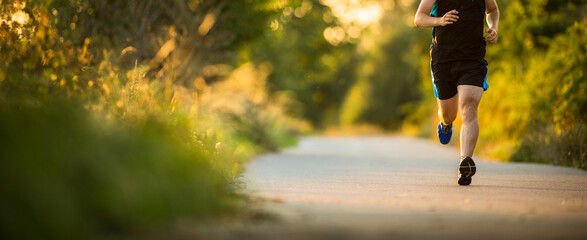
<point>67,175</point>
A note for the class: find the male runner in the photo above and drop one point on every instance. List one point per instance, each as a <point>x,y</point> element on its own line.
<point>459,69</point>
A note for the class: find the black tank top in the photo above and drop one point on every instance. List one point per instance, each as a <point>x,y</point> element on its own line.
<point>462,40</point>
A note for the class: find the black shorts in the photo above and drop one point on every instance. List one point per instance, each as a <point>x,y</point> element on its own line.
<point>446,76</point>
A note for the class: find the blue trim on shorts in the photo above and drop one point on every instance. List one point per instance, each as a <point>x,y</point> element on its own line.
<point>434,84</point>
<point>485,85</point>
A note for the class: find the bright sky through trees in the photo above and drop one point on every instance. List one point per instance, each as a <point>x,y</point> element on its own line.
<point>361,13</point>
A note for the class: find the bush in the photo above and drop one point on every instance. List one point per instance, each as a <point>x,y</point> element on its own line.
<point>66,175</point>
<point>113,125</point>
<point>547,146</point>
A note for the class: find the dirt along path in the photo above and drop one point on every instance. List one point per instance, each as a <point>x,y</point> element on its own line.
<point>393,187</point>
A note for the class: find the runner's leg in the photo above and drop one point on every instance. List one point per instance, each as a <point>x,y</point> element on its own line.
<point>448,109</point>
<point>469,98</point>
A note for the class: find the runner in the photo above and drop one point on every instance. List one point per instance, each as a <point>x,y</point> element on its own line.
<point>459,69</point>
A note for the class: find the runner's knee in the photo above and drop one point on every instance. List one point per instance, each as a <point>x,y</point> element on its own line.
<point>469,109</point>
<point>447,116</point>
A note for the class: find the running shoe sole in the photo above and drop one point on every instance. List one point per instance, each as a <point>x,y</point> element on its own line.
<point>467,169</point>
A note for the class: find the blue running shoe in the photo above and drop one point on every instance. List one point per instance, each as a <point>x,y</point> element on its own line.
<point>467,169</point>
<point>444,133</point>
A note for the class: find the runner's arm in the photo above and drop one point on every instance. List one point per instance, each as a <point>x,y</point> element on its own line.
<point>492,12</point>
<point>424,20</point>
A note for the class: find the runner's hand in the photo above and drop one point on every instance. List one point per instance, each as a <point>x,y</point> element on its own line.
<point>449,18</point>
<point>491,38</point>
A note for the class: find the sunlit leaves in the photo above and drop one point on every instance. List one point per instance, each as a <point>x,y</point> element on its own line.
<point>537,71</point>
<point>129,115</point>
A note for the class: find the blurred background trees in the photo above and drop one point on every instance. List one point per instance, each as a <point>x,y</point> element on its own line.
<point>98,92</point>
<point>537,110</point>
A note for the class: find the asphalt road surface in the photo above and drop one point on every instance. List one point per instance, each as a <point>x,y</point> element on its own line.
<point>393,187</point>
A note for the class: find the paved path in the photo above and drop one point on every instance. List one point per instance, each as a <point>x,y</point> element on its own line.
<point>392,187</point>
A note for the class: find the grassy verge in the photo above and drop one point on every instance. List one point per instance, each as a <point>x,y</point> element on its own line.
<point>119,118</point>
<point>66,175</point>
<point>116,166</point>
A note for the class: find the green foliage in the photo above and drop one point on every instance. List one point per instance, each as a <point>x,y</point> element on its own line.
<point>561,114</point>
<point>546,145</point>
<point>126,116</point>
<point>387,89</point>
<point>393,79</point>
<point>306,66</point>
<point>34,56</point>
<point>66,175</point>
<point>337,78</point>
<point>540,114</point>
